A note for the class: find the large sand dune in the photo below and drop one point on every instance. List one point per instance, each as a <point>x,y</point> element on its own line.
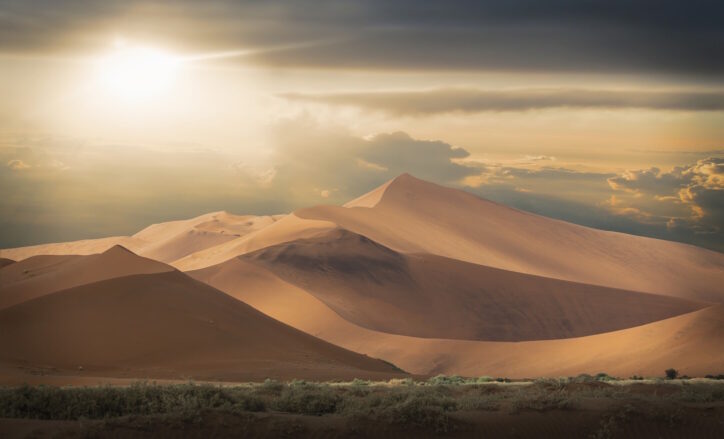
<point>167,325</point>
<point>690,342</point>
<point>415,216</point>
<point>432,296</point>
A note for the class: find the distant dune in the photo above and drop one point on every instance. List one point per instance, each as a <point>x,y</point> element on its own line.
<point>286,229</point>
<point>164,242</point>
<point>432,279</point>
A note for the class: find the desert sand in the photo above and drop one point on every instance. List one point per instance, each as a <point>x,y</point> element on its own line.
<point>164,324</point>
<point>164,242</point>
<point>689,342</point>
<point>437,297</point>
<point>40,275</point>
<point>432,279</point>
<point>415,216</point>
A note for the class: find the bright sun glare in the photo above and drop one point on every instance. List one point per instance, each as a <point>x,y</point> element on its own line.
<point>137,73</point>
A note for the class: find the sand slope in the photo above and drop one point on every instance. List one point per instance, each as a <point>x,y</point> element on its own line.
<point>288,228</point>
<point>167,325</point>
<point>40,275</point>
<point>414,216</point>
<point>175,239</point>
<point>165,242</point>
<point>4,262</point>
<point>690,342</point>
<point>82,247</point>
<point>432,296</point>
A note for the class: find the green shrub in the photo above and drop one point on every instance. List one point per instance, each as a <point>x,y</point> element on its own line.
<point>605,377</point>
<point>453,380</point>
<point>307,399</point>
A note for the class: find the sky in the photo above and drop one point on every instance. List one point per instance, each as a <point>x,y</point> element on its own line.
<point>118,114</point>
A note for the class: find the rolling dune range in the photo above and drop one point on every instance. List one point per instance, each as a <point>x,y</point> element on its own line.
<point>431,279</point>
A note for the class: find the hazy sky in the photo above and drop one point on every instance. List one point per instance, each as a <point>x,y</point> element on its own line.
<point>117,114</point>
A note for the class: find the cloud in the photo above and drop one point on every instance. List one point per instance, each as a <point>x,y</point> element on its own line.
<point>17,165</point>
<point>538,158</point>
<point>106,192</point>
<point>617,36</point>
<point>699,188</point>
<point>461,100</point>
<point>306,157</point>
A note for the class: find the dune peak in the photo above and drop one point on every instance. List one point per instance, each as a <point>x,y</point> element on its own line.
<point>118,249</point>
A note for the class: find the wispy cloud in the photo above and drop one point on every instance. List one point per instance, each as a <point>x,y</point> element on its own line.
<point>470,100</point>
<point>17,165</point>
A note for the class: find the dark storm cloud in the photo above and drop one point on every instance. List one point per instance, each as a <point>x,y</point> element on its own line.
<point>648,36</point>
<point>417,103</point>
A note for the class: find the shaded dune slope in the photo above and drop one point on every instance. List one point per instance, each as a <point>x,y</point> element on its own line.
<point>168,325</point>
<point>431,296</point>
<point>690,342</point>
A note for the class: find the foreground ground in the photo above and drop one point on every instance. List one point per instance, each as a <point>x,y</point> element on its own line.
<point>585,406</point>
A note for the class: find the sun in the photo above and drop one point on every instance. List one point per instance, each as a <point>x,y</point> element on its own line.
<point>137,73</point>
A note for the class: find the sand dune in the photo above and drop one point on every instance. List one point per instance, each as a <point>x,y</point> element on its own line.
<point>414,216</point>
<point>165,242</point>
<point>40,275</point>
<point>690,342</point>
<point>4,262</point>
<point>167,325</point>
<point>174,240</point>
<point>432,279</point>
<point>82,247</point>
<point>285,229</point>
<point>432,296</point>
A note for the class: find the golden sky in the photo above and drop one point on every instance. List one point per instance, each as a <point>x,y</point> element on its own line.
<point>118,114</point>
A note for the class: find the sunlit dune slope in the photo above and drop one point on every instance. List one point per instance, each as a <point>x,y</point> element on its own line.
<point>173,240</point>
<point>40,275</point>
<point>285,229</point>
<point>431,296</point>
<point>165,242</point>
<point>414,216</point>
<point>690,342</point>
<point>167,325</point>
<point>82,247</point>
